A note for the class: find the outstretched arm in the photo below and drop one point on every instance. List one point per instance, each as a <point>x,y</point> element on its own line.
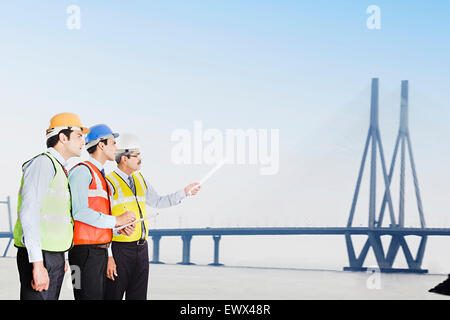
<point>154,200</point>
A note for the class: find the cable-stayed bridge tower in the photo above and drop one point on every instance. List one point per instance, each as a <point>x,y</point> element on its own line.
<point>386,261</point>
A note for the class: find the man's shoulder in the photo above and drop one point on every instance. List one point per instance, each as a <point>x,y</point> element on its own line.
<point>79,169</point>
<point>40,160</point>
<point>139,174</point>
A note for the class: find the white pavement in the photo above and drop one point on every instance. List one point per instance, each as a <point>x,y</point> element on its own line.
<point>197,282</point>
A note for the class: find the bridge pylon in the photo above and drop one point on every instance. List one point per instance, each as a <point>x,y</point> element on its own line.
<point>386,261</point>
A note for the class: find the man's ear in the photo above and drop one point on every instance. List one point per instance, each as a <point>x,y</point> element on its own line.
<point>101,145</point>
<point>62,137</point>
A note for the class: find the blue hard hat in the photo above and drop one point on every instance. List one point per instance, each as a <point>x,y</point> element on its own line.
<point>97,133</point>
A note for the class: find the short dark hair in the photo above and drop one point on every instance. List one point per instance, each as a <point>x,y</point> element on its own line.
<point>92,149</point>
<point>52,141</point>
<point>120,155</point>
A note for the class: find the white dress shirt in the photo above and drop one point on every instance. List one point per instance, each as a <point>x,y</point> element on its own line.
<point>37,176</point>
<point>80,178</point>
<point>152,198</point>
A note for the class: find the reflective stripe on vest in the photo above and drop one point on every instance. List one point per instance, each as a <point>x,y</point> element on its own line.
<point>98,200</point>
<point>56,222</point>
<point>124,199</point>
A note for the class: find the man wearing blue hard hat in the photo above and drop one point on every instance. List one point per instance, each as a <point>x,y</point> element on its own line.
<point>91,210</point>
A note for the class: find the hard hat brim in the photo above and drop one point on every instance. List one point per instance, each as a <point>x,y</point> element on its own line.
<point>119,151</point>
<point>50,132</point>
<point>96,141</point>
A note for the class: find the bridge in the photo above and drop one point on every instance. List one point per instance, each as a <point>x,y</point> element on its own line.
<point>217,233</point>
<point>374,230</point>
<point>386,266</point>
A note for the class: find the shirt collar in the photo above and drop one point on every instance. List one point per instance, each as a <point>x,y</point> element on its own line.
<point>96,163</point>
<point>122,174</point>
<point>57,156</point>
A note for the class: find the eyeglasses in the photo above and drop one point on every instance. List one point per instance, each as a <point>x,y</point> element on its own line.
<point>133,155</point>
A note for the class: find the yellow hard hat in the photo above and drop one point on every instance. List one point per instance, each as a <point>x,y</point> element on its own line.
<point>64,121</point>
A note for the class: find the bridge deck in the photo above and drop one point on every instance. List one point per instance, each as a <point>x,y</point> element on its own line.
<point>291,231</point>
<point>300,231</point>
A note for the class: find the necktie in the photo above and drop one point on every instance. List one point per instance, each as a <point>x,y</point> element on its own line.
<point>106,182</point>
<point>132,186</point>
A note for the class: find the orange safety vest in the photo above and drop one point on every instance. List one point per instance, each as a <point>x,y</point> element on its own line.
<point>98,198</point>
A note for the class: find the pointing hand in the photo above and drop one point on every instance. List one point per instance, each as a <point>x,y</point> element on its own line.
<point>192,189</point>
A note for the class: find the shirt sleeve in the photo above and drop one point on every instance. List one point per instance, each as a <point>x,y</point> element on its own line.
<point>79,181</point>
<point>36,179</point>
<point>154,200</point>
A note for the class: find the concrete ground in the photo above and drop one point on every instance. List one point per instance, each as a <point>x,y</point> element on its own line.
<point>199,282</point>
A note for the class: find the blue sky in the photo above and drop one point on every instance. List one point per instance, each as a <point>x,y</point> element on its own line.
<point>301,66</point>
<point>193,54</point>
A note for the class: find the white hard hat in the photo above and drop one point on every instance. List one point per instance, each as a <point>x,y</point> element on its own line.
<point>127,142</point>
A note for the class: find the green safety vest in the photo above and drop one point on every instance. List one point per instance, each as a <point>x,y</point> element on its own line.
<point>56,212</point>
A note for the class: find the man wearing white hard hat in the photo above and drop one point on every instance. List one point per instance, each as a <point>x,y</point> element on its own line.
<point>128,263</point>
<point>91,206</point>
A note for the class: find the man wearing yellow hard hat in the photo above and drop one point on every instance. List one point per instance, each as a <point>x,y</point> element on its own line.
<point>44,227</point>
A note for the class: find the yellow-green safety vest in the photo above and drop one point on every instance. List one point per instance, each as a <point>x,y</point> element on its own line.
<point>56,221</point>
<point>124,199</point>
